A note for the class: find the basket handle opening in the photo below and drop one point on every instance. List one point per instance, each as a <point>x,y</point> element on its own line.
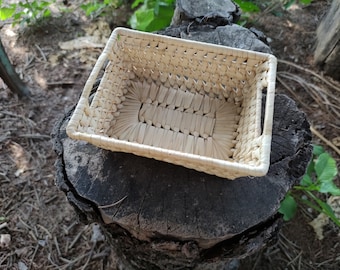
<point>93,79</point>
<point>269,107</point>
<point>268,115</point>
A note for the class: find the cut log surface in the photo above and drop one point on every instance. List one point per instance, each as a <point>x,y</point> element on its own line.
<point>327,53</point>
<point>150,199</point>
<point>230,35</point>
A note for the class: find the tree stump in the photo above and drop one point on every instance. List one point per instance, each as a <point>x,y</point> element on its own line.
<point>158,215</point>
<point>327,53</point>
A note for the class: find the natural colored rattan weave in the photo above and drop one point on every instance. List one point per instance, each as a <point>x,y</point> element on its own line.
<point>189,103</point>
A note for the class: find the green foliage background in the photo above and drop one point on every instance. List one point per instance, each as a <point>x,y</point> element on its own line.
<point>148,15</point>
<point>319,178</point>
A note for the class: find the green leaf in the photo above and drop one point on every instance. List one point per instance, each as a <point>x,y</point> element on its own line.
<point>306,181</point>
<point>141,19</point>
<point>90,8</point>
<point>310,169</point>
<point>327,209</point>
<point>47,13</point>
<point>318,150</point>
<point>288,4</point>
<point>156,7</point>
<point>6,13</point>
<point>18,15</point>
<point>111,2</point>
<point>24,5</point>
<point>329,187</point>
<point>44,4</point>
<point>288,207</point>
<point>136,3</point>
<point>152,15</point>
<point>306,2</point>
<point>162,20</point>
<point>247,6</point>
<point>325,168</point>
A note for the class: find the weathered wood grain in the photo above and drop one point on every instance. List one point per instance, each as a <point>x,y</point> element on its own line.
<point>327,53</point>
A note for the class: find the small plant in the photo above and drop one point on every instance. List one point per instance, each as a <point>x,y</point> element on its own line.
<point>247,6</point>
<point>152,15</point>
<point>26,12</point>
<point>319,178</point>
<point>254,6</point>
<point>98,8</point>
<point>288,3</point>
<point>6,12</point>
<point>247,9</point>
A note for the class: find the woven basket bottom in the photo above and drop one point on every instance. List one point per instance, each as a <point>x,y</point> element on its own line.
<point>176,120</point>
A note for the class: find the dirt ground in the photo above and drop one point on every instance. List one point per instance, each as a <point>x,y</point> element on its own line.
<point>36,215</point>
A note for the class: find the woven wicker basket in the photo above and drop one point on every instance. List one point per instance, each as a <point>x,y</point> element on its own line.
<point>188,103</point>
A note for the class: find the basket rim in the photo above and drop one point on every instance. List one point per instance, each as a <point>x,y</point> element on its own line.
<point>197,44</point>
<point>256,170</point>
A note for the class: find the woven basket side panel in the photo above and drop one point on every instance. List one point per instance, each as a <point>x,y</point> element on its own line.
<point>107,100</point>
<point>247,133</point>
<point>172,64</point>
<point>248,147</point>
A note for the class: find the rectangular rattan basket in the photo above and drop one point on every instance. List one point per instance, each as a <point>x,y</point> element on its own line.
<point>189,103</point>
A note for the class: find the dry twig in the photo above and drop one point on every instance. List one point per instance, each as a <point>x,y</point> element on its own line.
<point>320,77</point>
<point>329,143</point>
<point>41,52</point>
<point>3,225</point>
<point>113,204</point>
<point>75,240</point>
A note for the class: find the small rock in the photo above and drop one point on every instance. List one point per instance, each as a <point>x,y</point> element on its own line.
<point>42,243</point>
<point>97,235</point>
<point>22,266</point>
<point>5,240</point>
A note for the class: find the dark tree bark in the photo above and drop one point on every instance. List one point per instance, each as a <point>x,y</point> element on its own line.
<point>10,77</point>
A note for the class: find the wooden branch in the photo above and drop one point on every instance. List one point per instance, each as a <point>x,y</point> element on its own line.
<point>10,77</point>
<point>327,53</point>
